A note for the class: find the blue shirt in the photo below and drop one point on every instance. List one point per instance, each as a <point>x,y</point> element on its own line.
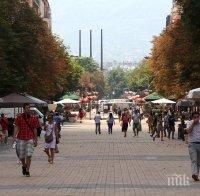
<point>57,119</point>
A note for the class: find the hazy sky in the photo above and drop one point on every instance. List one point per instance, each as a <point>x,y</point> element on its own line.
<point>128,25</point>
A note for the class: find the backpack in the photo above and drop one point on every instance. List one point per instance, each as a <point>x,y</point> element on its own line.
<point>171,120</point>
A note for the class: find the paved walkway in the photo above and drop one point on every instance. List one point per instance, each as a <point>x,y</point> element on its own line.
<point>96,165</point>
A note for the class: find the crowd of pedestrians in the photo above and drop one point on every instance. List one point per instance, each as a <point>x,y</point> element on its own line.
<point>125,117</point>
<point>163,125</point>
<point>160,125</point>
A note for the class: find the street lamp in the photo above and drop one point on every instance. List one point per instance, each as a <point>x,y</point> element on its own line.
<point>113,94</point>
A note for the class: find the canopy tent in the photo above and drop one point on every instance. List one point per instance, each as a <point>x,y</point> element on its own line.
<point>163,101</point>
<point>185,103</point>
<point>153,96</point>
<point>36,100</point>
<point>194,94</point>
<point>17,100</point>
<point>72,96</point>
<point>67,101</point>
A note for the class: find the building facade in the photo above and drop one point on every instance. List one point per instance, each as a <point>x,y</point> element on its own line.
<point>176,12</point>
<point>42,8</point>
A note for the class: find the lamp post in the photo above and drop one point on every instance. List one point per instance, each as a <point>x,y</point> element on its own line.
<point>113,93</point>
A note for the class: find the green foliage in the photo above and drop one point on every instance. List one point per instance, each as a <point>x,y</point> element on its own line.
<point>92,78</point>
<point>191,18</point>
<point>88,64</point>
<point>175,56</point>
<point>117,82</point>
<point>99,82</point>
<point>32,60</point>
<point>140,76</point>
<point>74,75</point>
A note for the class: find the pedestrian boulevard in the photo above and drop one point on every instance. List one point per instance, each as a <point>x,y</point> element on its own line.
<point>98,165</point>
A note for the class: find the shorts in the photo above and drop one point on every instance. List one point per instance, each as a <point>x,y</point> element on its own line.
<point>124,127</point>
<point>136,125</point>
<point>24,148</point>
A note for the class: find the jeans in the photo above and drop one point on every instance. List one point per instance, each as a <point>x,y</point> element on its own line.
<point>165,129</point>
<point>194,152</point>
<point>110,125</point>
<point>136,127</point>
<point>98,128</point>
<point>171,130</point>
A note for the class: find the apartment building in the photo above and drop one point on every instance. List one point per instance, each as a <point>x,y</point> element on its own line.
<point>176,12</point>
<point>42,8</point>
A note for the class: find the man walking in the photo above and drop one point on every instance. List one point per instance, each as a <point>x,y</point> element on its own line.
<point>171,125</point>
<point>193,129</point>
<point>97,120</point>
<point>136,122</point>
<point>4,125</point>
<point>25,132</point>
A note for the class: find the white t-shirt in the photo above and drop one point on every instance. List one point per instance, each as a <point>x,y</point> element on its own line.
<point>194,136</point>
<point>97,118</point>
<point>136,118</point>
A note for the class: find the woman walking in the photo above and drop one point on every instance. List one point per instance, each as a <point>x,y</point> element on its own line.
<point>150,122</point>
<point>125,120</point>
<point>81,114</point>
<point>50,135</point>
<point>110,122</point>
<point>159,127</point>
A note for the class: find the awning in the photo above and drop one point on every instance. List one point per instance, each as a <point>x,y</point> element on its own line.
<point>18,100</point>
<point>153,96</point>
<point>67,101</point>
<point>164,101</point>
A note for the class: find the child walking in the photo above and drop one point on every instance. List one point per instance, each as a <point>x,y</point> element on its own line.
<point>50,134</point>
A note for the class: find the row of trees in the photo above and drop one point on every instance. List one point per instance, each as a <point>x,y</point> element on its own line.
<point>175,58</point>
<point>33,60</point>
<point>136,79</point>
<point>173,68</point>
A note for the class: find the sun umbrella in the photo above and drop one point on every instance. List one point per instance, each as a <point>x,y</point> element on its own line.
<point>65,101</point>
<point>194,94</point>
<point>153,96</point>
<point>185,103</point>
<point>163,101</point>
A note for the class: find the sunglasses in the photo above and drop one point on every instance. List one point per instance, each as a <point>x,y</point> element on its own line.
<point>196,116</point>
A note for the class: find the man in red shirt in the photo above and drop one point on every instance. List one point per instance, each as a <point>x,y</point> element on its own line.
<point>25,133</point>
<point>4,125</point>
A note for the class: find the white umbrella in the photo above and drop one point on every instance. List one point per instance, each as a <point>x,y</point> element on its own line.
<point>163,101</point>
<point>194,94</point>
<point>69,101</point>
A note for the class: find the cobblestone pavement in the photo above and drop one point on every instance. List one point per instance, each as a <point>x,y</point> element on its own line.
<point>96,165</point>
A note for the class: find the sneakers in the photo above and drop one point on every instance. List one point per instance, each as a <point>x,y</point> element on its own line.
<point>24,170</point>
<point>195,177</point>
<point>27,174</point>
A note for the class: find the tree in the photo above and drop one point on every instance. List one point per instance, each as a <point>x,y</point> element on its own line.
<point>92,78</point>
<point>140,76</point>
<point>32,59</point>
<point>88,64</point>
<point>116,81</point>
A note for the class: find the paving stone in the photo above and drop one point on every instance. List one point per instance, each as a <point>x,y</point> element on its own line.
<point>98,165</point>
